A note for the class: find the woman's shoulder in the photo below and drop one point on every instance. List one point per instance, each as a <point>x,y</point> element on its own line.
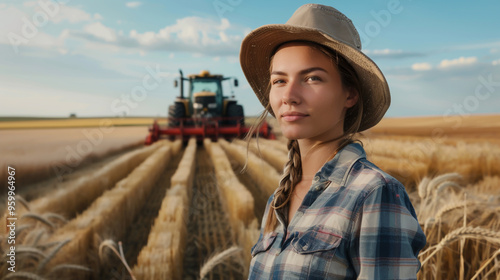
<point>359,173</point>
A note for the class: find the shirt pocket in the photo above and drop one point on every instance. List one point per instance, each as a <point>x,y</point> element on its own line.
<point>264,244</point>
<point>316,240</point>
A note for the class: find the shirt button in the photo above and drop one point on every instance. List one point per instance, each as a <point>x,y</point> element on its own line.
<point>305,247</point>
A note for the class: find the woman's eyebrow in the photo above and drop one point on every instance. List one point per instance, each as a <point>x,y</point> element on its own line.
<point>302,72</point>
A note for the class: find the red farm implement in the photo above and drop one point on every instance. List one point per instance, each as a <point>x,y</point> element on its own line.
<point>205,113</point>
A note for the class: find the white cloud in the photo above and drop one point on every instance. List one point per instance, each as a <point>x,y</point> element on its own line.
<point>384,52</point>
<point>100,31</point>
<point>3,6</point>
<point>98,16</point>
<point>133,4</point>
<point>461,61</point>
<point>424,66</point>
<point>495,62</point>
<point>190,34</point>
<point>392,54</point>
<point>70,14</point>
<point>477,46</point>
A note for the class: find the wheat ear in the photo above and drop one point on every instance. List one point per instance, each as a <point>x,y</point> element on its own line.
<point>436,181</point>
<point>217,259</point>
<point>463,232</point>
<point>450,207</point>
<point>422,187</point>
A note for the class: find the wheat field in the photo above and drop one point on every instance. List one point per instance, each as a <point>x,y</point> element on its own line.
<point>173,211</point>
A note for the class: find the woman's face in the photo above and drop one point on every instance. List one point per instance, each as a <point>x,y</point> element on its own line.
<point>307,96</point>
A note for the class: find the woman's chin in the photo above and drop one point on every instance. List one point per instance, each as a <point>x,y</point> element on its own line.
<point>292,134</point>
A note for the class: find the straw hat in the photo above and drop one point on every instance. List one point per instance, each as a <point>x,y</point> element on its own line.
<point>328,27</point>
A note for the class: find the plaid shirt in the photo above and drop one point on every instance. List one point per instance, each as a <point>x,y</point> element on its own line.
<point>355,222</point>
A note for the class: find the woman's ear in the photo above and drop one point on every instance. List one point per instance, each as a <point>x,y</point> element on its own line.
<point>352,98</point>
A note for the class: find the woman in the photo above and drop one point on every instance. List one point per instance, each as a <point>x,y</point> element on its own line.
<point>335,215</point>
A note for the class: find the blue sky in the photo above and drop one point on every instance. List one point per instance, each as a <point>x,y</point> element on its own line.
<point>111,58</point>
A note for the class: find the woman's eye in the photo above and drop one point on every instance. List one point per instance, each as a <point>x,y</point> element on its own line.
<point>278,81</point>
<point>313,78</point>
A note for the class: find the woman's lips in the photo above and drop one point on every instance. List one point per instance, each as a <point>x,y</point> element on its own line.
<point>293,116</point>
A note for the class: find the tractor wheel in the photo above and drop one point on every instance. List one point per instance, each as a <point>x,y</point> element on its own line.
<point>235,111</point>
<point>175,112</point>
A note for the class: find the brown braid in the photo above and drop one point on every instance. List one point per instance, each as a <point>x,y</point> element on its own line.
<point>292,175</point>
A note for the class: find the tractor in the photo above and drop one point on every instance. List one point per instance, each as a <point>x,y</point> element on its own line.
<point>205,113</point>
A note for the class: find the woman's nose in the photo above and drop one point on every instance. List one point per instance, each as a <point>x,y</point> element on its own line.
<point>291,94</point>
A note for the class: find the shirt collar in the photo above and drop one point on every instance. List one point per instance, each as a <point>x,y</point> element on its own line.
<point>337,169</point>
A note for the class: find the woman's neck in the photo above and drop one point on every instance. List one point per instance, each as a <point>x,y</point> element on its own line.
<point>314,155</point>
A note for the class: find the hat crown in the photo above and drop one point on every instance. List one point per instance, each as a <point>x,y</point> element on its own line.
<point>327,20</point>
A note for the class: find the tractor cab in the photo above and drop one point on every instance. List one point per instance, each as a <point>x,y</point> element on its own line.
<point>205,95</point>
<point>205,112</point>
<point>205,98</point>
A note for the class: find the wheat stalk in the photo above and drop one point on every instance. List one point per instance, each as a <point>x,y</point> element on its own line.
<point>55,216</point>
<point>429,221</point>
<point>38,218</point>
<point>69,266</point>
<point>112,245</point>
<point>466,233</point>
<point>497,252</point>
<point>31,252</point>
<point>217,259</point>
<point>37,233</point>
<point>23,275</point>
<point>19,229</point>
<point>49,257</point>
<point>23,202</point>
<point>493,269</point>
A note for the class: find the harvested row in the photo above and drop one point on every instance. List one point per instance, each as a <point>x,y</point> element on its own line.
<point>209,230</point>
<point>110,214</point>
<point>239,200</point>
<point>265,175</point>
<point>275,157</point>
<point>79,195</point>
<point>236,200</point>
<point>162,257</point>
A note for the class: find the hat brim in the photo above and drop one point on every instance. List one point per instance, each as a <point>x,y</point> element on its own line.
<point>259,45</point>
